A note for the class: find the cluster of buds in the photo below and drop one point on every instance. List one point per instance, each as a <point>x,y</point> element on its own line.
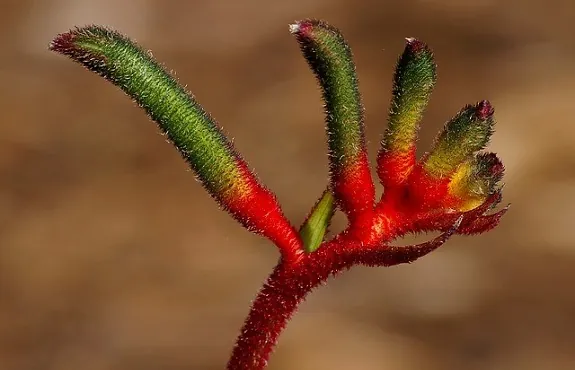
<point>454,183</point>
<point>451,189</point>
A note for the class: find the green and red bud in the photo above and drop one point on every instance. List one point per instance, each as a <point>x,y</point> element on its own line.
<point>330,58</point>
<point>186,124</point>
<point>467,188</point>
<point>466,133</point>
<point>475,180</point>
<point>413,83</point>
<point>472,191</point>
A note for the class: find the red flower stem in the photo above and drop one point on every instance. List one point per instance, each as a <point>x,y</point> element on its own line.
<point>291,281</point>
<point>285,289</point>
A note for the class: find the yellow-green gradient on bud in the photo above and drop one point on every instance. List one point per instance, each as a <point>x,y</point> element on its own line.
<point>475,180</point>
<point>186,124</point>
<point>413,82</point>
<point>466,133</point>
<point>330,58</point>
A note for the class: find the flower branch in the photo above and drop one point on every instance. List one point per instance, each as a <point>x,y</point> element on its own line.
<point>330,58</point>
<point>451,189</point>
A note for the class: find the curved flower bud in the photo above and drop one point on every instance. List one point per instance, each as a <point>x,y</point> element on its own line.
<point>466,133</point>
<point>187,125</point>
<point>414,79</point>
<point>475,180</point>
<point>330,58</point>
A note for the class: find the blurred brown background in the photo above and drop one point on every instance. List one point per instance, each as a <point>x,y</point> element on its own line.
<point>112,257</point>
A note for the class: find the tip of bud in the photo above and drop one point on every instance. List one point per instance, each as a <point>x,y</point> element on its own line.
<point>304,27</point>
<point>63,43</point>
<point>466,133</point>
<point>484,110</point>
<point>414,45</point>
<point>476,180</point>
<point>489,166</point>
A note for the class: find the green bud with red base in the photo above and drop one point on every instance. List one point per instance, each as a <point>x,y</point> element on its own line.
<point>186,124</point>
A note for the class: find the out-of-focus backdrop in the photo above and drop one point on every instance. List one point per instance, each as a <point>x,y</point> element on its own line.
<point>112,257</point>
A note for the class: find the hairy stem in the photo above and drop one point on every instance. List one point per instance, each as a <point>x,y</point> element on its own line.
<point>275,304</point>
<point>289,284</point>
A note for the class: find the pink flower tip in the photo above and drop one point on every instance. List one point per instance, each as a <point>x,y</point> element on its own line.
<point>414,45</point>
<point>484,110</point>
<point>63,43</point>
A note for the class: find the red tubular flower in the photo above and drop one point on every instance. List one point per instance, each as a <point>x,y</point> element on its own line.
<point>413,82</point>
<point>451,189</point>
<point>330,58</point>
<point>196,135</point>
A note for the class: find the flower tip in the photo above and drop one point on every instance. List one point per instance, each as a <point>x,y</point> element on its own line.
<point>484,110</point>
<point>303,28</point>
<point>63,43</point>
<point>490,167</point>
<point>414,45</point>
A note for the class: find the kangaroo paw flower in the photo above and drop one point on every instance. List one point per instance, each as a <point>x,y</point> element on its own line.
<point>414,79</point>
<point>187,125</point>
<point>474,181</point>
<point>453,189</point>
<point>466,133</point>
<point>452,175</point>
<point>330,58</point>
